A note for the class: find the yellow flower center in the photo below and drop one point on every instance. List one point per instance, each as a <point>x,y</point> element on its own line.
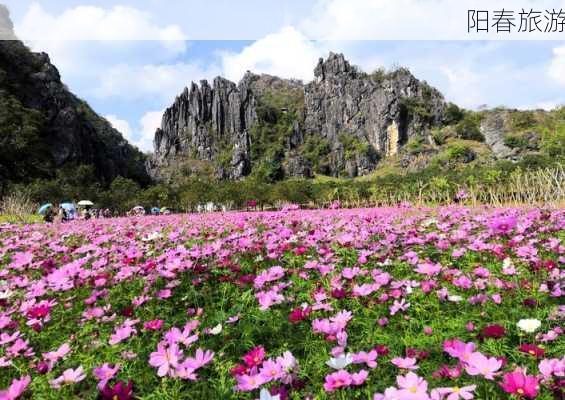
<point>413,389</point>
<point>455,389</point>
<point>520,391</point>
<point>533,353</point>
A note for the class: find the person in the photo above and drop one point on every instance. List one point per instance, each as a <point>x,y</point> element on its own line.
<point>86,214</point>
<point>49,215</point>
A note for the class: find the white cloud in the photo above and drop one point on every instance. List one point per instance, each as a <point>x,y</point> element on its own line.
<point>416,19</point>
<point>162,81</point>
<point>96,23</point>
<point>556,68</point>
<point>287,53</point>
<point>149,124</point>
<point>143,137</point>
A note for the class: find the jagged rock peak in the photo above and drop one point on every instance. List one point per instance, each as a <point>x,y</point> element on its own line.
<point>334,65</point>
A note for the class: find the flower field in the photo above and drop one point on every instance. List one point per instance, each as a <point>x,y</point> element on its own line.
<point>391,303</point>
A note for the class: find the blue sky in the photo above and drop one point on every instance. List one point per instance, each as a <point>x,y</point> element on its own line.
<point>129,59</point>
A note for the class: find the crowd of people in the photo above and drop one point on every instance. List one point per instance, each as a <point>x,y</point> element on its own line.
<point>63,214</point>
<point>68,212</point>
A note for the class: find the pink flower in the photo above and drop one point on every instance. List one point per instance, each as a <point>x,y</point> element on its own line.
<point>53,356</point>
<point>454,393</point>
<point>405,363</point>
<point>69,376</point>
<point>165,358</point>
<point>15,390</point>
<point>271,370</point>
<point>337,380</point>
<point>397,306</point>
<point>412,387</point>
<point>520,384</point>
<point>367,358</point>
<point>246,383</point>
<point>187,369</point>
<point>554,366</point>
<point>104,373</point>
<point>458,349</point>
<point>479,364</point>
<point>359,378</point>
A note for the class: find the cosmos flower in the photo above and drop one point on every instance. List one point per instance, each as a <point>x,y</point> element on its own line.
<point>528,325</point>
<point>68,377</point>
<point>16,388</point>
<point>520,384</point>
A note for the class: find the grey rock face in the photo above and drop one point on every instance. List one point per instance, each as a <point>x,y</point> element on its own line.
<point>493,128</point>
<point>212,123</point>
<point>342,101</point>
<point>72,131</point>
<point>342,104</point>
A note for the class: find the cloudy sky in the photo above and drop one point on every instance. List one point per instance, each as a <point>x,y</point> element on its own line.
<point>129,59</point>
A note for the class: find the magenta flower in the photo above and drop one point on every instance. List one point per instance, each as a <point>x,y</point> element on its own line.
<point>520,384</point>
<point>153,325</point>
<point>120,391</point>
<point>15,390</point>
<point>165,358</point>
<point>104,373</point>
<point>254,357</point>
<point>337,380</point>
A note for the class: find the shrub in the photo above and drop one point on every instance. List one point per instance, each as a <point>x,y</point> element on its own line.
<point>469,127</point>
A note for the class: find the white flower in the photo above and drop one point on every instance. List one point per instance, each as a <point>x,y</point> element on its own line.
<point>216,330</point>
<point>529,325</point>
<point>265,395</point>
<point>454,298</point>
<point>6,294</point>
<point>152,236</point>
<point>340,362</point>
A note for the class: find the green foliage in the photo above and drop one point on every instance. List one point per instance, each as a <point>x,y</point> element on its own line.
<point>415,145</point>
<point>553,141</point>
<point>317,149</point>
<point>468,127</point>
<point>417,107</point>
<point>516,141</point>
<point>378,76</point>
<point>23,153</point>
<point>453,114</point>
<point>521,120</point>
<point>353,146</point>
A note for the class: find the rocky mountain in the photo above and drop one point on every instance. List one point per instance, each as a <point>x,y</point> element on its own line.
<point>45,127</point>
<point>340,124</point>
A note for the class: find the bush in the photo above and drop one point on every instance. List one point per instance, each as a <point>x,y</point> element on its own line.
<point>469,127</point>
<point>516,141</point>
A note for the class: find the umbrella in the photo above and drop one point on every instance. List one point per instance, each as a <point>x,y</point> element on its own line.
<point>155,210</point>
<point>43,209</point>
<point>138,208</point>
<point>85,203</point>
<point>164,209</point>
<point>70,208</point>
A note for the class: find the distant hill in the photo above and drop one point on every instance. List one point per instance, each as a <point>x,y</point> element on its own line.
<point>345,123</point>
<point>44,127</point>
